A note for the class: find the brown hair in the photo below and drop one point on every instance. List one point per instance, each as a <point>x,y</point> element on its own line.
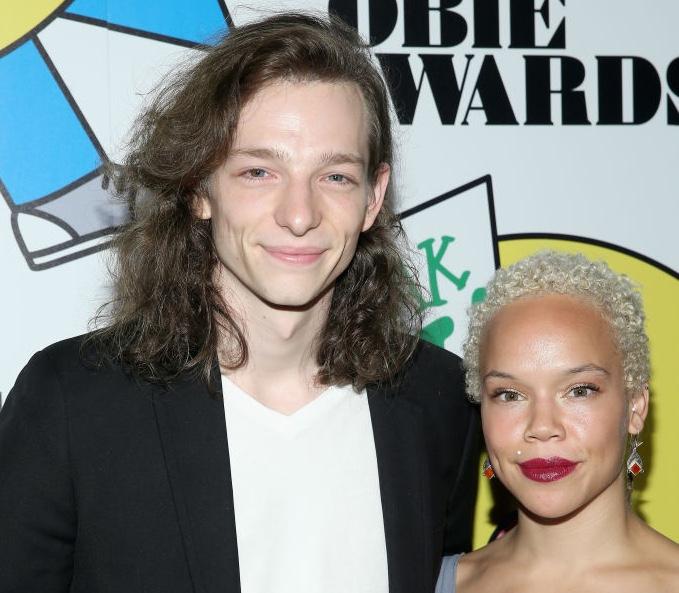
<point>167,315</point>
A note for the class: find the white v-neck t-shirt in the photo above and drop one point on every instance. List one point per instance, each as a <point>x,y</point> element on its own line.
<point>306,495</point>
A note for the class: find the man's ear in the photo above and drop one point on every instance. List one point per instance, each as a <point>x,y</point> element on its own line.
<point>201,206</point>
<point>379,190</point>
<point>638,410</point>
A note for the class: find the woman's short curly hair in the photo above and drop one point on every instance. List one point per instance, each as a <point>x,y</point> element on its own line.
<point>552,272</point>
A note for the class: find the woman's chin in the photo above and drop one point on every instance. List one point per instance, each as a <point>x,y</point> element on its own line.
<point>551,511</point>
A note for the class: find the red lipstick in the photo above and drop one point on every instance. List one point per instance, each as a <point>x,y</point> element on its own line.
<point>547,470</point>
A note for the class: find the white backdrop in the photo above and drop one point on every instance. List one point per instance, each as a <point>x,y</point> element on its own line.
<point>612,185</point>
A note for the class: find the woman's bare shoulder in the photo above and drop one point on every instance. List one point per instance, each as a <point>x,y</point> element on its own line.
<point>659,555</point>
<point>644,560</point>
<point>479,563</point>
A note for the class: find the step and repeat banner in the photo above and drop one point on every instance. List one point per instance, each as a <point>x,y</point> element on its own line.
<point>521,124</point>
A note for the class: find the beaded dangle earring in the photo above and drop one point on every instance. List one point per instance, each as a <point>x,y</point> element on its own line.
<point>488,469</point>
<point>635,464</point>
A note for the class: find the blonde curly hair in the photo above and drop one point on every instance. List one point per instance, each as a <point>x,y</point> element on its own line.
<point>552,272</point>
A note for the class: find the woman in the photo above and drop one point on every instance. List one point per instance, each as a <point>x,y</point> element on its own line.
<point>557,357</point>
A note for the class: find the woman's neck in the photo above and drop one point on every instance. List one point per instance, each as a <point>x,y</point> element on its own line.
<point>601,531</point>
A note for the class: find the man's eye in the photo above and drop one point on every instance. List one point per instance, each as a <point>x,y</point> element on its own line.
<point>256,173</point>
<point>338,178</point>
<point>583,390</point>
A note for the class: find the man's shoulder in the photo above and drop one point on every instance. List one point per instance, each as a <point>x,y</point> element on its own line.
<point>74,365</point>
<point>434,363</point>
<point>67,349</point>
<point>78,354</point>
<point>434,383</point>
<point>73,382</point>
<point>432,373</point>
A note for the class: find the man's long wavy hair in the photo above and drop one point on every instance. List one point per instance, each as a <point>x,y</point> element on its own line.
<point>167,315</point>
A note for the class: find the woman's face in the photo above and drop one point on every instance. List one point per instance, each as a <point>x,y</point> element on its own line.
<point>554,406</point>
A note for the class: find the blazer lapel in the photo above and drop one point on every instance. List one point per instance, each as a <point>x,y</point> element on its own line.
<point>401,462</point>
<point>193,434</point>
<point>192,430</point>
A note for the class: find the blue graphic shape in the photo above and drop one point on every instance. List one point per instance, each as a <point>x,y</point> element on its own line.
<point>44,146</point>
<point>197,21</point>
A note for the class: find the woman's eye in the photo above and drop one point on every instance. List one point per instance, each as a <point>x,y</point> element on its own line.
<point>508,395</point>
<point>583,390</point>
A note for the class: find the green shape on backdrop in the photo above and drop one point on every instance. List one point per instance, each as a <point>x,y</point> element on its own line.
<point>438,331</point>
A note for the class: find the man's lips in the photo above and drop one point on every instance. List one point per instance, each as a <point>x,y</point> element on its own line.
<point>295,255</point>
<point>547,470</point>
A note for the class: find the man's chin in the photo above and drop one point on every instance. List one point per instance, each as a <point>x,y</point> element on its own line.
<point>296,301</point>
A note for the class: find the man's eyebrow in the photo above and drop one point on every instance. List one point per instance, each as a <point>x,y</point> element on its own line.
<point>341,158</point>
<point>262,153</point>
<point>590,367</point>
<point>327,158</point>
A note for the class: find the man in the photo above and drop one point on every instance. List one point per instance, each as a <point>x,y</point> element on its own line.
<point>258,414</point>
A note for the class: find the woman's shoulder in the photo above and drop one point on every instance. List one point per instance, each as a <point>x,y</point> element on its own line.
<point>644,560</point>
<point>446,582</point>
<point>475,567</point>
<point>661,554</point>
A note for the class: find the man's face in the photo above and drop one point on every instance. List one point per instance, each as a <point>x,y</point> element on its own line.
<point>290,201</point>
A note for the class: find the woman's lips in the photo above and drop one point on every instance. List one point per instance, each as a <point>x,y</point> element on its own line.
<point>547,470</point>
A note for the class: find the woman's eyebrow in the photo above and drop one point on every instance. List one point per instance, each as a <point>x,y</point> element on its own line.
<point>498,375</point>
<point>589,367</point>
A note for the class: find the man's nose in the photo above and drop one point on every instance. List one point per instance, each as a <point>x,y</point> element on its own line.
<point>544,421</point>
<point>298,207</point>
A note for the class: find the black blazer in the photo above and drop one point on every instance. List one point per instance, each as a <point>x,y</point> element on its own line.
<point>109,484</point>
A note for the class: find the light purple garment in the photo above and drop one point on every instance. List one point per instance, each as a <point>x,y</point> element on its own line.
<point>447,574</point>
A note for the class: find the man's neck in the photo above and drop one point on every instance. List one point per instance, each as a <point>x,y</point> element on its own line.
<point>281,368</point>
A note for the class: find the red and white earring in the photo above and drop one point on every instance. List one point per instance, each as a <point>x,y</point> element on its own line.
<point>635,464</point>
<point>488,470</point>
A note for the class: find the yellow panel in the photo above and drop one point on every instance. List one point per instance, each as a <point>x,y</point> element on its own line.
<point>656,490</point>
<point>19,17</point>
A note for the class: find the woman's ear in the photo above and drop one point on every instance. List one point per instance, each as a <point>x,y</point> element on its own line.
<point>638,410</point>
